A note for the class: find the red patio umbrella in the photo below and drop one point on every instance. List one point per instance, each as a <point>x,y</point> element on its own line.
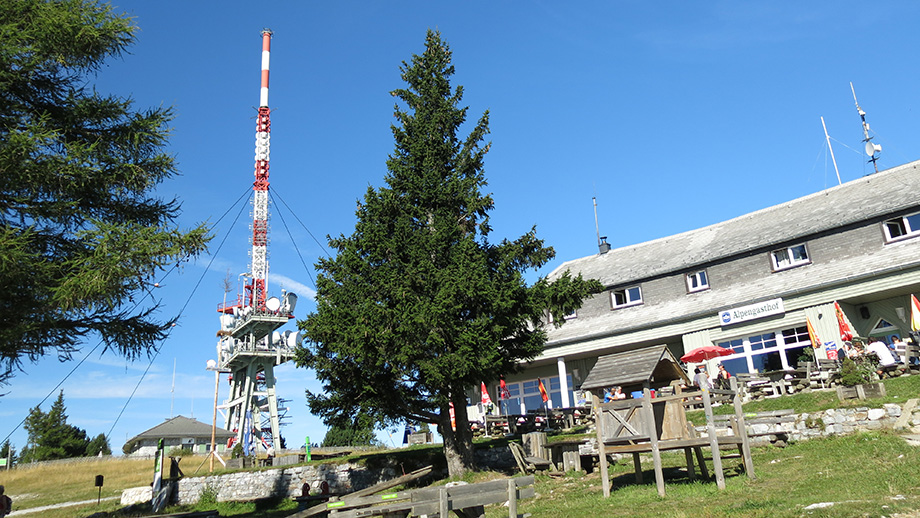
<point>705,353</point>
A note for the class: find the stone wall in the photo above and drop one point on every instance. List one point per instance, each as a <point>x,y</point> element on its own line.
<point>349,477</point>
<point>287,482</point>
<point>836,421</point>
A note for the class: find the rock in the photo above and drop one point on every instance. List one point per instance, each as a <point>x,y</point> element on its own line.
<point>892,409</point>
<point>876,413</point>
<point>136,495</point>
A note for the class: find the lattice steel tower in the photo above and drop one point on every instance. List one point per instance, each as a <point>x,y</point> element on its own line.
<point>250,346</point>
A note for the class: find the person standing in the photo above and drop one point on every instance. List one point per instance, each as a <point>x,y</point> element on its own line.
<point>6,503</point>
<point>723,377</point>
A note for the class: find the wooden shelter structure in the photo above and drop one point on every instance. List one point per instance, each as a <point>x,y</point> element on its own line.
<point>650,424</point>
<point>635,370</point>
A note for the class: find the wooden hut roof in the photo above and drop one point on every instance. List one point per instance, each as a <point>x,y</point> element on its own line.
<point>654,364</point>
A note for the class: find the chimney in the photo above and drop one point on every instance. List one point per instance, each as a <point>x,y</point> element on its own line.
<point>603,246</point>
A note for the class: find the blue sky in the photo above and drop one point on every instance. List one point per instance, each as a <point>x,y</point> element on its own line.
<point>675,115</point>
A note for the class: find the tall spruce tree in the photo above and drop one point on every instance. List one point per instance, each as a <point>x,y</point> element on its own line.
<point>51,437</point>
<point>418,305</point>
<point>81,230</point>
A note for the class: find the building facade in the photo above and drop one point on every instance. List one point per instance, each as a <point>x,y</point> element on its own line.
<point>179,432</point>
<point>747,284</point>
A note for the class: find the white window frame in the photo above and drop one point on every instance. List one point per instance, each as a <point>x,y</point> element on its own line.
<point>625,292</point>
<point>782,345</point>
<point>791,261</point>
<point>904,225</point>
<point>568,316</point>
<point>701,278</point>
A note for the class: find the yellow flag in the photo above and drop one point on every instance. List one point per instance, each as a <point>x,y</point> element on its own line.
<point>815,341</point>
<point>914,313</point>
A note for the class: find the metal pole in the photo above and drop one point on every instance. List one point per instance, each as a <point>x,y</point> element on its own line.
<point>828,137</point>
<point>214,420</point>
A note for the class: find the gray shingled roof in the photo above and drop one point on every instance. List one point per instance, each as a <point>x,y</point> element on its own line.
<point>634,367</point>
<point>181,426</point>
<point>859,200</point>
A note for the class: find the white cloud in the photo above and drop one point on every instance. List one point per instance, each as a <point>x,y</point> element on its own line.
<point>302,290</point>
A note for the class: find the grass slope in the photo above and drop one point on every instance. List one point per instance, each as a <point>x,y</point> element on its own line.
<point>867,474</point>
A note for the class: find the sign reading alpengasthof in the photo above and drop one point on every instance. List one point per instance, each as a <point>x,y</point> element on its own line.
<point>751,312</point>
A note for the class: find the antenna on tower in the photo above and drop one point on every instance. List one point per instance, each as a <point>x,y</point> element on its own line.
<point>602,245</point>
<point>828,137</point>
<point>871,149</point>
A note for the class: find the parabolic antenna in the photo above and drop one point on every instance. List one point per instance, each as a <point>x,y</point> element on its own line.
<point>871,148</point>
<point>273,304</point>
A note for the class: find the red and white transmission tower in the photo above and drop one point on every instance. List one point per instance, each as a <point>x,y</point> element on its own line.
<point>250,346</point>
<point>259,268</point>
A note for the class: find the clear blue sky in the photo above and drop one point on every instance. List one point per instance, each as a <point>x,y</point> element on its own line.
<point>674,114</point>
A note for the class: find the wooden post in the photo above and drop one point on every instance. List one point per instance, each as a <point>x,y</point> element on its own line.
<point>512,499</point>
<point>601,450</point>
<point>652,430</point>
<point>442,502</point>
<point>637,465</point>
<point>713,439</point>
<point>742,430</point>
<point>691,471</point>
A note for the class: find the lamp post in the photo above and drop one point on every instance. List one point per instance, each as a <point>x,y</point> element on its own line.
<point>212,365</point>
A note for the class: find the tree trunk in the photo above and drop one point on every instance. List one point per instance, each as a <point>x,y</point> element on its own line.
<point>458,444</point>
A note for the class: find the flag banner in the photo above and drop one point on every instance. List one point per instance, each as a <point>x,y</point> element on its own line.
<point>914,313</point>
<point>543,393</point>
<point>846,329</point>
<point>486,400</point>
<point>815,341</point>
<point>503,392</point>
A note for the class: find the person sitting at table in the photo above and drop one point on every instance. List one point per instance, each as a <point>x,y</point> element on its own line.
<point>885,358</point>
<point>618,393</point>
<point>701,378</point>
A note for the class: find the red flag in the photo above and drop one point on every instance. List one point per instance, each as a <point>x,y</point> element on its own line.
<point>543,391</point>
<point>846,330</point>
<point>486,400</point>
<point>815,341</point>
<point>503,392</point>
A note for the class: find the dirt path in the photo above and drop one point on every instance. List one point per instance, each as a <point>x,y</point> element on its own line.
<point>24,512</point>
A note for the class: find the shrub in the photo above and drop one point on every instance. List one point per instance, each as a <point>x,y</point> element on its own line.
<point>855,372</point>
<point>179,452</point>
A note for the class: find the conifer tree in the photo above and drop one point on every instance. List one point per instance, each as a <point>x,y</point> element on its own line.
<point>418,306</point>
<point>51,437</point>
<point>82,232</point>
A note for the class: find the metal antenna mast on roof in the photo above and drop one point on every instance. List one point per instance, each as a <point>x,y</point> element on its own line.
<point>828,137</point>
<point>602,245</point>
<point>871,149</point>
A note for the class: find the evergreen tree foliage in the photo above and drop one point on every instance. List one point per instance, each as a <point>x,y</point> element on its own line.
<point>8,452</point>
<point>50,437</point>
<point>351,432</point>
<point>418,306</point>
<point>99,444</point>
<point>81,228</point>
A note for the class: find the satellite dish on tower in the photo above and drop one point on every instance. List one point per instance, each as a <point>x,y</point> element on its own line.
<point>273,304</point>
<point>871,148</point>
